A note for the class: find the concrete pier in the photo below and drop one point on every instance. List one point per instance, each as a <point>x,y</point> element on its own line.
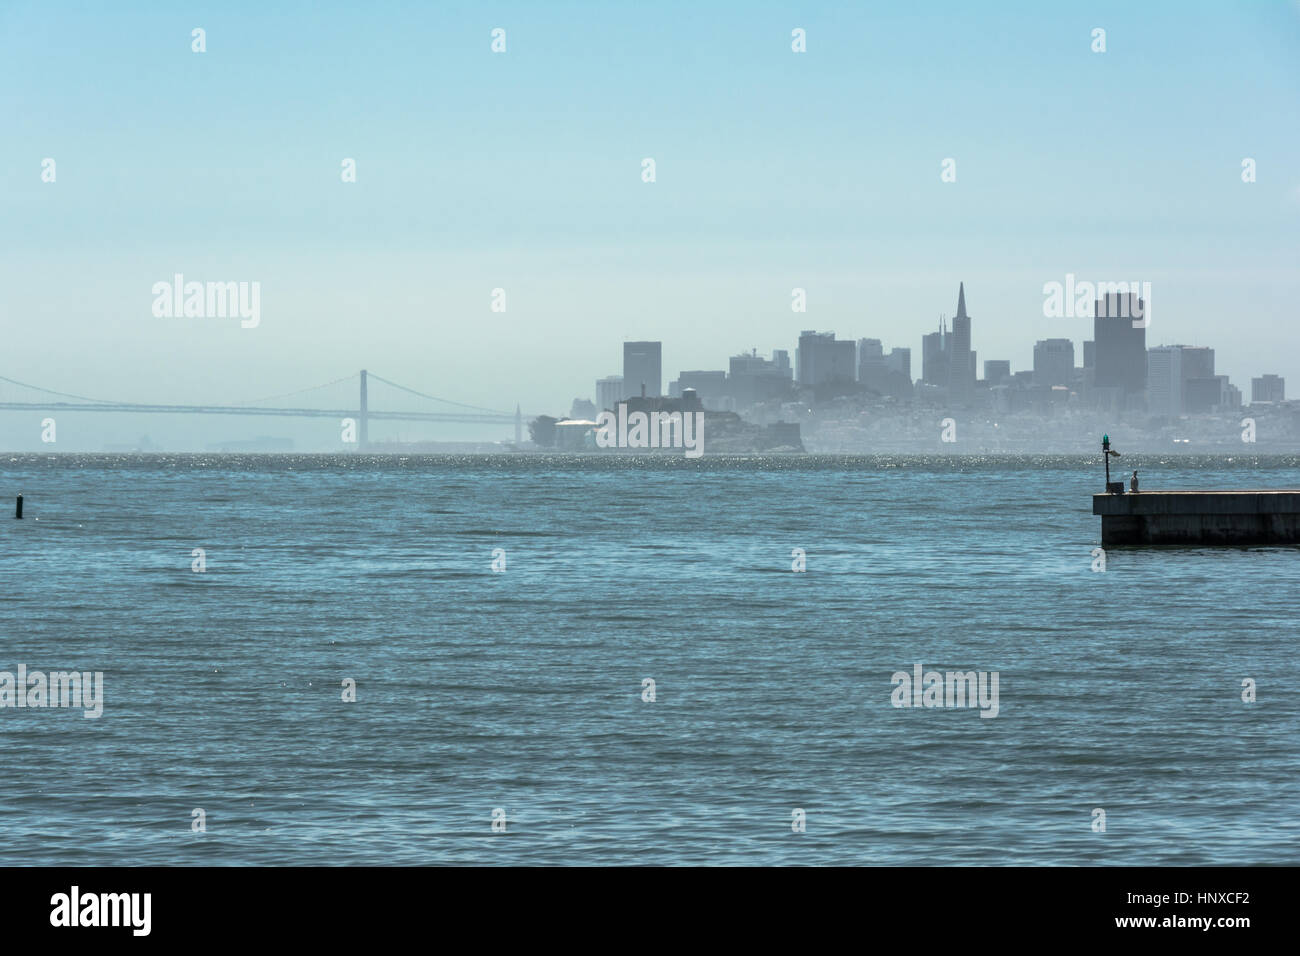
<point>1199,517</point>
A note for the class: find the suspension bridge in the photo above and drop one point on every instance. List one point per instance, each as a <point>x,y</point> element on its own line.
<point>363,414</point>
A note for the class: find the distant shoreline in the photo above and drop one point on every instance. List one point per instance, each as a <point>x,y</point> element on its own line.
<point>625,460</point>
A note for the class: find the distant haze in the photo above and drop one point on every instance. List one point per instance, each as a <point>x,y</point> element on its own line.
<point>522,171</point>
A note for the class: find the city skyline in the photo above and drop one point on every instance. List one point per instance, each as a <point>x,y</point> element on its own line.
<point>1160,381</point>
<point>1125,361</point>
<point>776,170</point>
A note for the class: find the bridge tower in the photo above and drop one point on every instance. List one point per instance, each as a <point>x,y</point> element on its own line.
<point>519,426</point>
<point>363,419</point>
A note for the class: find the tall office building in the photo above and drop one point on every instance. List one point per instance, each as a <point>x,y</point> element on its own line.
<point>934,357</point>
<point>1120,352</point>
<point>1202,390</point>
<point>1230,397</point>
<point>821,359</point>
<point>1053,362</point>
<point>1198,362</point>
<point>643,367</point>
<point>844,361</point>
<point>1165,380</point>
<point>609,392</point>
<point>961,364</point>
<point>888,374</point>
<point>1181,381</point>
<point>1268,388</point>
<point>997,371</point>
<point>900,361</point>
<point>871,360</point>
<point>753,378</point>
<point>1201,395</point>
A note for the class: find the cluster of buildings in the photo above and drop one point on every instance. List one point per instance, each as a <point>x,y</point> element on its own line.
<point>750,379</point>
<point>639,390</point>
<point>1115,373</point>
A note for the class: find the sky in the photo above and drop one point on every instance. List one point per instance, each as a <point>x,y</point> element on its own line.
<point>522,171</point>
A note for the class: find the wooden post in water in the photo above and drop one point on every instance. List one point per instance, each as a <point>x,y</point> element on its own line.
<point>18,508</point>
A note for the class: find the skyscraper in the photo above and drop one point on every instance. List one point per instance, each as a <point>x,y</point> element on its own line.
<point>1201,387</point>
<point>609,392</point>
<point>820,359</point>
<point>871,362</point>
<point>900,360</point>
<point>643,367</point>
<point>753,378</point>
<point>1198,362</point>
<point>887,374</point>
<point>997,371</point>
<point>1268,388</point>
<point>1230,397</point>
<point>1181,380</point>
<point>1165,380</point>
<point>934,357</point>
<point>1053,362</point>
<point>961,367</point>
<point>1121,348</point>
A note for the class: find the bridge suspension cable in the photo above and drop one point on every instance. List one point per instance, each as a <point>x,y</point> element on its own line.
<point>50,391</point>
<point>477,408</point>
<point>301,391</point>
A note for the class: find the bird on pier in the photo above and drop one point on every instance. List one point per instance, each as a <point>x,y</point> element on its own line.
<point>1133,484</point>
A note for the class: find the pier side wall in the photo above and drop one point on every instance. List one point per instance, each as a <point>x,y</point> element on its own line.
<point>1199,517</point>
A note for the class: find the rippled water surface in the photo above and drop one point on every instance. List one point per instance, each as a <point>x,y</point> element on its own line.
<point>522,690</point>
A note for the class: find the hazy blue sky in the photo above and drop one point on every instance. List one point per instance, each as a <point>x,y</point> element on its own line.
<point>522,171</point>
